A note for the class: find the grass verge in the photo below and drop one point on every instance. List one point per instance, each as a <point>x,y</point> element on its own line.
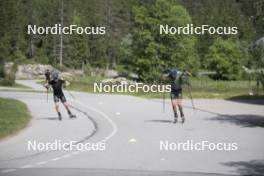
<point>15,86</point>
<point>200,88</point>
<point>13,117</point>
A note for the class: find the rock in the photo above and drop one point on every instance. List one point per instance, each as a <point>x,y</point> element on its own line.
<point>119,80</point>
<point>78,72</point>
<point>8,67</point>
<point>260,42</point>
<point>72,73</point>
<point>32,71</point>
<point>133,76</point>
<point>66,75</point>
<point>111,73</point>
<point>37,71</point>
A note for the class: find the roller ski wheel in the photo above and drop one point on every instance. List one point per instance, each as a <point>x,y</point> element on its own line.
<point>60,117</point>
<point>183,120</point>
<point>72,116</point>
<point>175,120</point>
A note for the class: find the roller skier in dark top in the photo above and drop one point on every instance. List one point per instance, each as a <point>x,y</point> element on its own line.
<point>176,79</point>
<point>57,83</point>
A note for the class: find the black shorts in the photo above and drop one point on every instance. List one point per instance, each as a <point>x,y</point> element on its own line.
<point>58,98</point>
<point>176,94</point>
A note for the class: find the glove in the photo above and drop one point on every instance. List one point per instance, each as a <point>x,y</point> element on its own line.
<point>46,86</point>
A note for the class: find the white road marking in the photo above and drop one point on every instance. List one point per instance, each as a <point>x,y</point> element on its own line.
<point>55,159</point>
<point>26,166</point>
<point>8,170</point>
<point>102,114</point>
<point>75,153</point>
<point>105,139</point>
<point>115,129</point>
<point>162,159</point>
<point>132,140</point>
<point>118,113</point>
<point>83,150</point>
<point>66,156</point>
<point>42,162</point>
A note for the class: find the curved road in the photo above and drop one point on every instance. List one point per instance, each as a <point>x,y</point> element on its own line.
<point>132,129</point>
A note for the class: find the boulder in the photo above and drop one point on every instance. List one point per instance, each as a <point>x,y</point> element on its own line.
<point>66,75</point>
<point>133,76</point>
<point>111,73</point>
<point>32,71</point>
<point>8,67</point>
<point>119,80</point>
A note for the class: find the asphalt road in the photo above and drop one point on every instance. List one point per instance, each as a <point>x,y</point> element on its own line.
<point>132,129</point>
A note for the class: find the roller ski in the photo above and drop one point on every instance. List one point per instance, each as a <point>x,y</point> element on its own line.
<point>175,120</point>
<point>72,116</point>
<point>183,120</point>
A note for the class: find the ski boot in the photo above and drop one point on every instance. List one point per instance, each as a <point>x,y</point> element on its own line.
<point>60,117</point>
<point>183,119</point>
<point>72,116</point>
<point>175,117</point>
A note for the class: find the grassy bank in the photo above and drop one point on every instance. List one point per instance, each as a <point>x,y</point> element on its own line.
<point>15,85</point>
<point>13,117</point>
<point>200,88</point>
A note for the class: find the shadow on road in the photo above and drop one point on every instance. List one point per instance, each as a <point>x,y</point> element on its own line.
<point>253,167</point>
<point>104,172</point>
<point>52,118</point>
<point>258,100</point>
<point>160,121</point>
<point>244,120</point>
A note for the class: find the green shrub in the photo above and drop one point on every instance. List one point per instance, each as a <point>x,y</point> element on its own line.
<point>225,57</point>
<point>2,73</point>
<point>87,69</point>
<point>153,53</point>
<point>9,78</point>
<point>259,65</point>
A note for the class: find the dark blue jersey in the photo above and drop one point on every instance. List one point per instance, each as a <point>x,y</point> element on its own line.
<point>57,86</point>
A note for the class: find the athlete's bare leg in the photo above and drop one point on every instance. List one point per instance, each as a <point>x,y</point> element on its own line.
<point>179,104</point>
<point>57,109</point>
<point>174,107</point>
<point>65,104</point>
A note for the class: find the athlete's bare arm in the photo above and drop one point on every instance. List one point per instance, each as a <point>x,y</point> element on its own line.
<point>66,83</point>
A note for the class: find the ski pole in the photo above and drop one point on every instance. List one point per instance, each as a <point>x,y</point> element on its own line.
<point>47,92</point>
<point>47,95</point>
<point>163,101</point>
<point>163,95</point>
<point>71,94</point>
<point>189,90</point>
<point>67,83</point>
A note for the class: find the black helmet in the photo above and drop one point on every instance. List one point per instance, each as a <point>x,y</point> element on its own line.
<point>174,72</point>
<point>55,75</point>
